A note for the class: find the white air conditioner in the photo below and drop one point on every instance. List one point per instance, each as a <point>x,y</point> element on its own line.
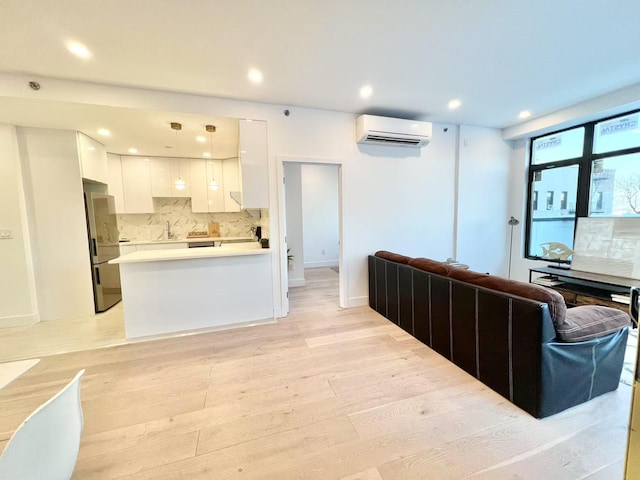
<point>396,132</point>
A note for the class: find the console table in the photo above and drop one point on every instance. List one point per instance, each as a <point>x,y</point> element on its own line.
<point>586,288</point>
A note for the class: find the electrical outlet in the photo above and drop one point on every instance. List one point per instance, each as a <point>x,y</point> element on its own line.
<point>5,234</point>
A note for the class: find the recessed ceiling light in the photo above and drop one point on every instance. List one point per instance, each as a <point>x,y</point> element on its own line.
<point>255,76</point>
<point>455,103</point>
<point>78,49</point>
<point>524,114</point>
<point>201,139</point>
<point>133,150</point>
<point>366,91</point>
<point>91,149</point>
<point>104,132</point>
<point>206,155</point>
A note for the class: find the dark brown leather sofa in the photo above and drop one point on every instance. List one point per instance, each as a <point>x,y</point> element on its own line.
<point>515,337</point>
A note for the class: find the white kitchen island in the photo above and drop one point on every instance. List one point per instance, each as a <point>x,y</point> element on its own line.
<point>178,290</point>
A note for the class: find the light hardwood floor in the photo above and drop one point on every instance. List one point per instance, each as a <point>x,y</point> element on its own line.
<point>324,394</point>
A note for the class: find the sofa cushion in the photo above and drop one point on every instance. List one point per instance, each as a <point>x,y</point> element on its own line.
<point>431,266</point>
<point>555,301</point>
<point>394,257</point>
<point>467,275</point>
<point>587,322</point>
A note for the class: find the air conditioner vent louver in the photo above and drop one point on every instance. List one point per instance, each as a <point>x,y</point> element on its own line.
<point>392,140</point>
<point>392,131</point>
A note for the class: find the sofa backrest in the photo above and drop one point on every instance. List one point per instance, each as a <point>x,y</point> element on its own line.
<point>431,266</point>
<point>555,301</point>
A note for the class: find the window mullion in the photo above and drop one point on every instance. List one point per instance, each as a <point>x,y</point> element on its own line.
<point>584,176</point>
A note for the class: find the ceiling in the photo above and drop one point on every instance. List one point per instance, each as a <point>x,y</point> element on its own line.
<point>497,57</point>
<point>148,131</point>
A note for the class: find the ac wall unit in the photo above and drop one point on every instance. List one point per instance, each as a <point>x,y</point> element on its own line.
<point>373,130</point>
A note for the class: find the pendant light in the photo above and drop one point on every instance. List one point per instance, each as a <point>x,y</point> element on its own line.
<point>213,185</point>
<point>179,184</point>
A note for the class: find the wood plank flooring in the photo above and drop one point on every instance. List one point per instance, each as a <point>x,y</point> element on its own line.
<point>325,393</point>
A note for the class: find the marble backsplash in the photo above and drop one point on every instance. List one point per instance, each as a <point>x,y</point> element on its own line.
<point>177,211</point>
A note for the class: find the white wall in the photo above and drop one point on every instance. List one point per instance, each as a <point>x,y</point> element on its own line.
<point>17,287</point>
<point>483,196</point>
<point>295,238</point>
<point>57,222</point>
<point>396,199</point>
<point>320,215</point>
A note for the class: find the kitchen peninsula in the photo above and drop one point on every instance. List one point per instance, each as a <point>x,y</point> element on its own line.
<point>183,289</point>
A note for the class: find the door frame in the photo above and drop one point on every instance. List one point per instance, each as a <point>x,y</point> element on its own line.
<point>282,220</point>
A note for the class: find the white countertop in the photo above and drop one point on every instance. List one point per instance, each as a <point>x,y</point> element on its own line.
<point>228,250</point>
<point>186,240</point>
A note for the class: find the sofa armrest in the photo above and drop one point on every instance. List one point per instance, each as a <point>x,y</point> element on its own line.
<point>573,373</point>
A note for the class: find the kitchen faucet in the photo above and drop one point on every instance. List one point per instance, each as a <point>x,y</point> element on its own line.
<point>167,230</point>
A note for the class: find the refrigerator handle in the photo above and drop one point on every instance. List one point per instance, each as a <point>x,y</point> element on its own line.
<point>97,276</point>
<point>95,247</point>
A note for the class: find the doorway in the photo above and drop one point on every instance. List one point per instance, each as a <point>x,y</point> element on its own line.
<point>311,227</point>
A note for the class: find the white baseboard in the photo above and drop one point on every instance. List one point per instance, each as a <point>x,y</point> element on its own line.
<point>324,263</point>
<point>297,282</point>
<point>19,321</point>
<point>358,301</point>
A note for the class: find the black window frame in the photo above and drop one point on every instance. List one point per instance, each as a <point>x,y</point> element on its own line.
<point>584,163</point>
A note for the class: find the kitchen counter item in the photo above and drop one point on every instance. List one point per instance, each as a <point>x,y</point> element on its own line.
<point>202,234</point>
<point>214,229</point>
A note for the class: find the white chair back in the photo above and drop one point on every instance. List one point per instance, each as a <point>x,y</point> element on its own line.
<point>46,445</point>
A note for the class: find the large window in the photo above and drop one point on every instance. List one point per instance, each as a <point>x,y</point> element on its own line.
<point>590,170</point>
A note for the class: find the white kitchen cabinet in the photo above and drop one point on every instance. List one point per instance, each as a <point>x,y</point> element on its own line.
<point>160,171</point>
<point>180,170</point>
<point>164,174</point>
<point>136,184</point>
<point>203,199</point>
<point>93,159</point>
<point>199,195</point>
<point>231,178</point>
<point>252,145</point>
<point>115,181</point>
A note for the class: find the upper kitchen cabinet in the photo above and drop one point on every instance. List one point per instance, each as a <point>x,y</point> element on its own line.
<point>253,163</point>
<point>231,180</point>
<point>136,184</point>
<point>207,185</point>
<point>93,159</point>
<point>115,181</point>
<point>170,177</point>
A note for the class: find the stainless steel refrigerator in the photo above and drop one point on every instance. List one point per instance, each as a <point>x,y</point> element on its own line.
<point>102,227</point>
